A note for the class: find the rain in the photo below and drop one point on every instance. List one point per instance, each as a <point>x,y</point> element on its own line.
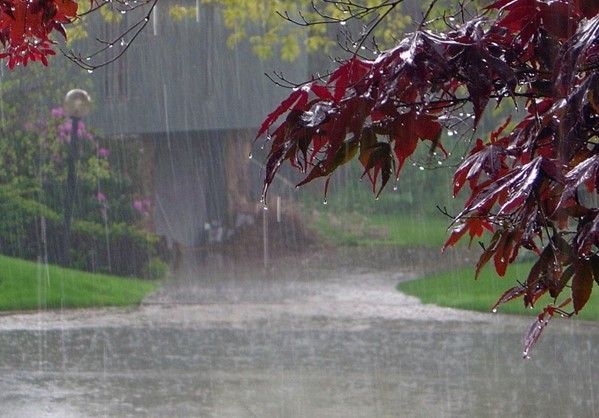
<point>286,307</point>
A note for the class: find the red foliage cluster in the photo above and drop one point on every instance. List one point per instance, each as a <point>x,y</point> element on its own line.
<point>526,181</point>
<point>26,25</point>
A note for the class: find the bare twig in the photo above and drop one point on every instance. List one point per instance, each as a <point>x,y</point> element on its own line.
<point>134,31</point>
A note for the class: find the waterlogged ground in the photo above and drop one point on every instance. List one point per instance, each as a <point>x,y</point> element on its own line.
<point>303,340</point>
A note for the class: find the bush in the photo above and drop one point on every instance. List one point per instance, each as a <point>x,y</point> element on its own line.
<point>156,269</point>
<point>119,248</point>
<point>30,230</point>
<point>23,224</point>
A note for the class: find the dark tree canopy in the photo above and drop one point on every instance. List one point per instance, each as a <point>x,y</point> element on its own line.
<point>530,183</point>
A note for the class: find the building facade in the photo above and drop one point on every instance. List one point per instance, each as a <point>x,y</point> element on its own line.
<point>194,105</point>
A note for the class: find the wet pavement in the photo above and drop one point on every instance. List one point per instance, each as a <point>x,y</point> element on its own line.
<point>301,341</point>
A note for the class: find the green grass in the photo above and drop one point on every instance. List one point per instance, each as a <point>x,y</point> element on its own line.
<point>412,229</point>
<point>458,289</point>
<point>355,229</point>
<point>27,285</point>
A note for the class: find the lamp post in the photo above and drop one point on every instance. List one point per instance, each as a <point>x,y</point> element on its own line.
<point>77,104</point>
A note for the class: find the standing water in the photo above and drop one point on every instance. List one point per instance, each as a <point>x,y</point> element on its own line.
<point>310,342</point>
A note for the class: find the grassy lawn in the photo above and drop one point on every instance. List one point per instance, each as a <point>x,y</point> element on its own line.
<point>28,285</point>
<point>355,229</point>
<point>458,289</point>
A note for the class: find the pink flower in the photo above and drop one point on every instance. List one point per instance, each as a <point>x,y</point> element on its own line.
<point>142,206</point>
<point>101,197</point>
<point>103,152</point>
<point>138,206</point>
<point>58,112</point>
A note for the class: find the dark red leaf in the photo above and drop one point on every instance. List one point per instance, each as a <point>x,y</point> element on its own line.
<point>475,228</point>
<point>587,235</point>
<point>582,284</point>
<point>585,172</point>
<point>377,158</point>
<point>347,75</point>
<point>297,98</point>
<point>510,294</point>
<point>556,287</point>
<point>536,329</point>
<point>487,159</point>
<point>322,92</point>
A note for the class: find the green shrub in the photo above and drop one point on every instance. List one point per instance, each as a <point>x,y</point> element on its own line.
<point>156,269</point>
<point>30,230</point>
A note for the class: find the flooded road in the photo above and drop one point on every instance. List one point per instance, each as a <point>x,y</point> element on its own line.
<point>303,343</point>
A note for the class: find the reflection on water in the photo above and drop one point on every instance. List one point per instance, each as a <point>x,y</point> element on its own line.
<point>390,369</point>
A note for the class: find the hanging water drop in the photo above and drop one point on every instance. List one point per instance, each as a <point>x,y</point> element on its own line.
<point>250,156</point>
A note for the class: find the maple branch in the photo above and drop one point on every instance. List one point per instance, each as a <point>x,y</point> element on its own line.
<point>355,11</point>
<point>127,6</point>
<point>377,22</point>
<point>135,29</point>
<point>426,14</point>
<point>280,79</point>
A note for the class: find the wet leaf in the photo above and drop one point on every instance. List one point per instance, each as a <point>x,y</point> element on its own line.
<point>582,284</point>
<point>510,294</point>
<point>483,159</point>
<point>378,159</point>
<point>296,100</point>
<point>535,330</point>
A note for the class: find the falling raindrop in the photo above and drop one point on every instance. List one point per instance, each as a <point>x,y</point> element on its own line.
<point>307,350</point>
